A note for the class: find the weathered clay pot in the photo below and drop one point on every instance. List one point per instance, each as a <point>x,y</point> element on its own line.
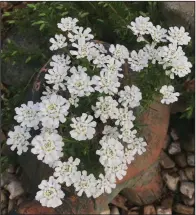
<point>141,185</point>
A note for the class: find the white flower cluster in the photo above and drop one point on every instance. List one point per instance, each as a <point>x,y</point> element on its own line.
<point>119,144</point>
<point>171,56</point>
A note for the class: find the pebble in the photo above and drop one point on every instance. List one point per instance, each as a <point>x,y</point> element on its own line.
<point>188,201</point>
<point>182,209</point>
<point>174,148</point>
<point>183,176</point>
<point>7,178</point>
<point>190,173</point>
<point>180,160</point>
<point>187,188</point>
<point>165,161</point>
<point>114,210</point>
<point>168,201</point>
<point>174,134</point>
<point>11,205</point>
<point>149,209</point>
<point>171,180</point>
<point>191,160</point>
<point>162,210</point>
<point>11,169</point>
<point>15,189</point>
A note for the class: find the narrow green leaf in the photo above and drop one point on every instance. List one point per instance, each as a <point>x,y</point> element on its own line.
<point>28,59</point>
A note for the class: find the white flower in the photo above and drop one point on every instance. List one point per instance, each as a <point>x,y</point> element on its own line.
<point>48,147</point>
<point>106,83</point>
<point>130,96</point>
<point>178,35</point>
<point>50,193</point>
<point>158,34</point>
<point>86,184</point>
<point>53,110</point>
<point>101,60</point>
<point>151,52</point>
<point>106,108</point>
<point>119,52</point>
<point>101,48</point>
<point>83,48</point>
<point>67,171</point>
<point>111,152</point>
<point>110,132</point>
<point>73,100</point>
<point>118,171</point>
<point>57,76</point>
<point>138,61</point>
<point>113,67</point>
<point>48,93</point>
<point>83,127</point>
<point>169,96</point>
<point>125,117</point>
<point>127,135</point>
<point>129,155</point>
<point>180,67</point>
<point>78,70</point>
<point>27,115</point>
<point>58,43</point>
<point>138,145</point>
<point>79,33</point>
<point>48,130</point>
<point>141,26</point>
<point>104,184</point>
<point>18,139</point>
<point>68,24</point>
<point>93,54</point>
<point>60,60</point>
<point>79,84</point>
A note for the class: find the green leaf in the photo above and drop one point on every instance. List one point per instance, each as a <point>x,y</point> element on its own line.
<point>42,26</point>
<point>28,59</point>
<point>11,21</point>
<point>31,6</point>
<point>42,14</point>
<point>14,53</point>
<point>38,22</point>
<point>6,14</point>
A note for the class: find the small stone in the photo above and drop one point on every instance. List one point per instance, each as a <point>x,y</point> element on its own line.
<point>191,160</point>
<point>4,200</point>
<point>11,169</point>
<point>174,148</point>
<point>107,211</point>
<point>190,173</point>
<point>167,202</point>
<point>21,199</point>
<point>11,205</point>
<point>165,161</point>
<point>114,210</point>
<point>4,211</point>
<point>187,188</point>
<point>15,189</point>
<point>162,210</point>
<point>182,209</point>
<point>188,201</point>
<point>171,180</point>
<point>182,175</point>
<point>149,209</point>
<point>120,201</point>
<point>180,160</point>
<point>6,178</point>
<point>174,134</point>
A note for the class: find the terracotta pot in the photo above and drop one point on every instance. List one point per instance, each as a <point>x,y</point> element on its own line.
<point>141,185</point>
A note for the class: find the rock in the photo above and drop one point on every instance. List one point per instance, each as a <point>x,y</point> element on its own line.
<point>21,199</point>
<point>191,160</point>
<point>190,173</point>
<point>11,205</point>
<point>171,180</point>
<point>162,210</point>
<point>4,200</point>
<point>180,160</point>
<point>4,212</point>
<point>134,211</point>
<point>21,72</point>
<point>106,211</point>
<point>187,188</point>
<point>114,210</point>
<point>149,209</point>
<point>165,161</point>
<point>167,202</point>
<point>6,178</point>
<point>15,189</point>
<point>182,175</point>
<point>188,201</point>
<point>11,169</point>
<point>179,14</point>
<point>182,209</point>
<point>174,148</point>
<point>174,134</point>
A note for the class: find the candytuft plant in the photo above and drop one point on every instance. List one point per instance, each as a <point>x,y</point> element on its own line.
<point>86,120</point>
